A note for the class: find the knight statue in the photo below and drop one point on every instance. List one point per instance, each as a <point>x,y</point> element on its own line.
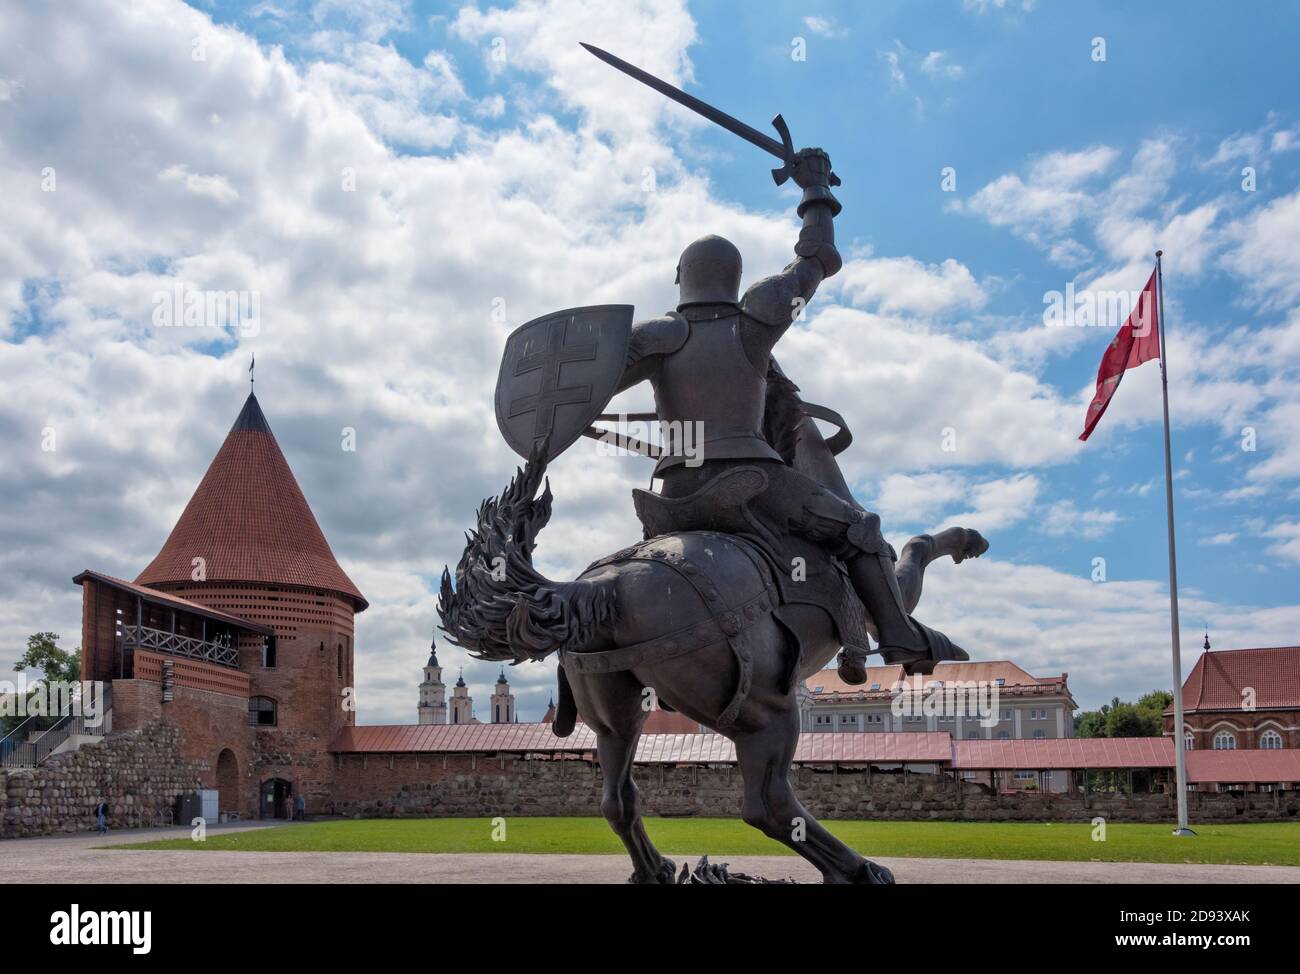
<point>756,566</point>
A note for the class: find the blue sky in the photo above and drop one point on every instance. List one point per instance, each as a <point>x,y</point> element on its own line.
<point>520,178</point>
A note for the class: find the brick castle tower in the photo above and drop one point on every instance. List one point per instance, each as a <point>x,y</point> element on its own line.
<point>240,631</point>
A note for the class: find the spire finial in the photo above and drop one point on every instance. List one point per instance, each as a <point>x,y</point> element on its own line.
<point>1207,640</point>
<point>252,363</point>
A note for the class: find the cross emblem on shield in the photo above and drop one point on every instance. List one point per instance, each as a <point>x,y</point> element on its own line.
<point>557,374</point>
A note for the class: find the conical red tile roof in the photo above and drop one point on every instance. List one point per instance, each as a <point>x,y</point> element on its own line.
<point>250,522</point>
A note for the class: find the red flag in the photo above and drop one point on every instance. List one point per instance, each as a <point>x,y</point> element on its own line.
<point>1137,341</point>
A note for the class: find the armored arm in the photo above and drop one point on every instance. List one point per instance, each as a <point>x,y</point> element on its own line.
<point>777,300</point>
<point>651,340</point>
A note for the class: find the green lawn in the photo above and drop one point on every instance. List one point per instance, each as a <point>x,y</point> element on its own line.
<point>1257,844</point>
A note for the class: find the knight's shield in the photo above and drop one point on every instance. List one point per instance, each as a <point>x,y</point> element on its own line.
<point>557,374</point>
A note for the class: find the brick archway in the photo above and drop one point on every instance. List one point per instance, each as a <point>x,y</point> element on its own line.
<point>229,798</point>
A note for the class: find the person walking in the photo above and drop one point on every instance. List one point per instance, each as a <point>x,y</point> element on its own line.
<point>302,808</point>
<point>101,816</point>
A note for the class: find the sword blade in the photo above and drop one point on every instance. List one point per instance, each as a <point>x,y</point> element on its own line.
<point>733,125</point>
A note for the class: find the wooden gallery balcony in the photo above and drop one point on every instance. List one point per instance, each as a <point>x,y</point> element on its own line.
<point>217,651</point>
<point>121,619</point>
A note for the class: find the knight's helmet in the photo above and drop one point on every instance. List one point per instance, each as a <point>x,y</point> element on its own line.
<point>709,273</point>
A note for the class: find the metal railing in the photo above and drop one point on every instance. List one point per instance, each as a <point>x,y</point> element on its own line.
<point>142,637</point>
<point>23,750</point>
<point>10,743</point>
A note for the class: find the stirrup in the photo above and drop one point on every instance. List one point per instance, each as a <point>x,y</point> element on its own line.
<point>939,649</point>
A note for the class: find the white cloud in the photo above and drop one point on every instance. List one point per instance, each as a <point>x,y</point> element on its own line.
<point>1049,200</point>
<point>824,27</point>
<point>894,60</point>
<point>904,285</point>
<point>398,100</point>
<point>1222,538</point>
<point>215,187</point>
<point>1266,252</point>
<point>543,38</point>
<point>373,19</point>
<point>1064,518</point>
<point>1288,535</point>
<point>937,64</point>
<point>984,6</point>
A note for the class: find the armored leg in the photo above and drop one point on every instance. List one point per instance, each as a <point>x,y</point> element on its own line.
<point>825,517</point>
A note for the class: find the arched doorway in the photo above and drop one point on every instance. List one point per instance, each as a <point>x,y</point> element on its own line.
<point>228,797</point>
<point>276,799</point>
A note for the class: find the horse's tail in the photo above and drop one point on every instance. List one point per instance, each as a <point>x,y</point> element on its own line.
<point>501,608</point>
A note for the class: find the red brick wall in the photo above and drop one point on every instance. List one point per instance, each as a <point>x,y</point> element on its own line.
<point>208,723</point>
<point>313,667</point>
<point>1248,726</point>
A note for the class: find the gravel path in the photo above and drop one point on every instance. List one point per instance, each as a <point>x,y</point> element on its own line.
<point>74,859</point>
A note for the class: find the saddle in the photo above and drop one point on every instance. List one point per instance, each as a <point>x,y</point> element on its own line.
<point>805,573</point>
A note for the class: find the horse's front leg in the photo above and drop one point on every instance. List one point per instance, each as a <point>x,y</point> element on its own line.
<point>958,543</point>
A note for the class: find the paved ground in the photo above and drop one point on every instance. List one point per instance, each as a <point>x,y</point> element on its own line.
<point>74,859</point>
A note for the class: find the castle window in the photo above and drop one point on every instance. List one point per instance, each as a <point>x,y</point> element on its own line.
<point>1189,742</point>
<point>1225,741</point>
<point>268,652</point>
<point>340,663</point>
<point>1270,740</point>
<point>261,712</point>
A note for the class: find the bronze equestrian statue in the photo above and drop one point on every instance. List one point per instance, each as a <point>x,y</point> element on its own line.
<point>757,566</point>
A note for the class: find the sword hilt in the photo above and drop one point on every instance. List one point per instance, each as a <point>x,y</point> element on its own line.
<point>787,147</point>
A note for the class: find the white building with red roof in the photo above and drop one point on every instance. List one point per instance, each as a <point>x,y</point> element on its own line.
<point>1025,707</point>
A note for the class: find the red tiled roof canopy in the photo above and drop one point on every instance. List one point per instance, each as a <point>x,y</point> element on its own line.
<point>250,522</point>
<point>1219,677</point>
<point>1082,752</point>
<point>932,747</point>
<point>1240,767</point>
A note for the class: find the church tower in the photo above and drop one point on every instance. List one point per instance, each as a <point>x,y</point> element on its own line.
<point>433,692</point>
<point>462,705</point>
<point>503,701</point>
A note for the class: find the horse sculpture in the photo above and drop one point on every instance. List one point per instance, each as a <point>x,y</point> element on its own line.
<point>694,616</point>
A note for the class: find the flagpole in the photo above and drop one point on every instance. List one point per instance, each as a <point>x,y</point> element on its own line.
<point>1180,755</point>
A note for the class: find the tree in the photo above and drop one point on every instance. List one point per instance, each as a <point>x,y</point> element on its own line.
<point>1090,723</point>
<point>1122,719</point>
<point>1156,700</point>
<point>43,654</point>
<point>1127,720</point>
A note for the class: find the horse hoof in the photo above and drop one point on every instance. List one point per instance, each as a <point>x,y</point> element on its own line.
<point>874,874</point>
<point>665,875</point>
<point>853,672</point>
<point>973,545</point>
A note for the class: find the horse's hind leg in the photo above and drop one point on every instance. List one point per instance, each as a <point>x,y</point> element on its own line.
<point>770,804</point>
<point>620,805</point>
<point>611,705</point>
